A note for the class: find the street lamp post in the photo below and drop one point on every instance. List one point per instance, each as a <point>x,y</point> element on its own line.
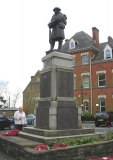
<point>82,106</point>
<point>82,96</point>
<point>35,100</point>
<point>27,97</point>
<point>9,101</point>
<point>97,107</point>
<point>31,106</point>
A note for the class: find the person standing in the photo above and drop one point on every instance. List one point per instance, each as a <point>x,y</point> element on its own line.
<point>20,119</point>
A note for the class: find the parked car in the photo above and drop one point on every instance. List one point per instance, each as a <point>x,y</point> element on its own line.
<point>11,118</point>
<point>103,118</point>
<point>30,118</point>
<point>5,122</point>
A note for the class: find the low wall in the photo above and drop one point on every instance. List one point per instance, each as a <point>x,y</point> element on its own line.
<point>8,111</point>
<point>80,152</point>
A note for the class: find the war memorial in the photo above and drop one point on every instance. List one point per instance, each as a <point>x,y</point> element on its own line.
<point>57,116</point>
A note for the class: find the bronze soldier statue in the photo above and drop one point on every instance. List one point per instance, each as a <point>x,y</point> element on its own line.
<point>57,24</point>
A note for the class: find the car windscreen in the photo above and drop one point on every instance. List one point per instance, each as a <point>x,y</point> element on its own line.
<point>101,114</point>
<point>29,116</point>
<point>2,116</point>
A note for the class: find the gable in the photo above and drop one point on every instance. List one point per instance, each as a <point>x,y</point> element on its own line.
<point>107,52</point>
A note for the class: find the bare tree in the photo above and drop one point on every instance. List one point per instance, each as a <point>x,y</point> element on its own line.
<point>6,96</point>
<point>3,93</point>
<point>15,97</point>
<point>3,88</point>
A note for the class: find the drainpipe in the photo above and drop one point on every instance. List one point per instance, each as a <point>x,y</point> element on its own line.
<point>91,82</point>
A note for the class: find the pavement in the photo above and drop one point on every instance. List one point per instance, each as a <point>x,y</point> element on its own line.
<point>4,156</point>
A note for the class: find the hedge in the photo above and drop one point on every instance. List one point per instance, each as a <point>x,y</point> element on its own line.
<point>87,117</point>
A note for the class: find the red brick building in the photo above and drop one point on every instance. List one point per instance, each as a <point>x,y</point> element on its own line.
<point>93,70</point>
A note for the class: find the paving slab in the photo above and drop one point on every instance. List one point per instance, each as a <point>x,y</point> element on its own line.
<point>21,141</point>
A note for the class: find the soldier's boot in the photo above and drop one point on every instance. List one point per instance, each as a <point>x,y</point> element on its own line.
<point>52,45</point>
<point>59,44</point>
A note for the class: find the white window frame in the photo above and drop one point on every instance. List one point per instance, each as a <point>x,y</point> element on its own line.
<point>72,41</point>
<point>86,105</point>
<point>85,81</point>
<point>108,53</point>
<point>107,48</point>
<point>85,61</point>
<point>104,106</point>
<point>72,45</point>
<point>101,80</point>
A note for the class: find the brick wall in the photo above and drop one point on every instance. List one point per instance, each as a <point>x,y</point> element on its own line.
<point>8,112</point>
<point>105,65</point>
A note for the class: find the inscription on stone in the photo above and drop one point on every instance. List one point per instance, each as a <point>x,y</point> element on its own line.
<point>67,118</point>
<point>45,85</point>
<point>42,119</point>
<point>65,84</point>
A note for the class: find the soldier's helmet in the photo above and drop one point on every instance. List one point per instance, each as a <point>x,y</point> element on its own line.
<point>56,8</point>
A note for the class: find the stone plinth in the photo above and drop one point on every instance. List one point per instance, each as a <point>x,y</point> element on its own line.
<point>57,133</point>
<point>57,108</point>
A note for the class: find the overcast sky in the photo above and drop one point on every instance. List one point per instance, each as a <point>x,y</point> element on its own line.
<point>24,34</point>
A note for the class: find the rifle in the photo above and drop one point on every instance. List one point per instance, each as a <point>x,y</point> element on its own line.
<point>49,35</point>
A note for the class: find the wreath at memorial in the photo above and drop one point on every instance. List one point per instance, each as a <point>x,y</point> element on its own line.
<point>41,147</point>
<point>60,146</point>
<point>11,133</point>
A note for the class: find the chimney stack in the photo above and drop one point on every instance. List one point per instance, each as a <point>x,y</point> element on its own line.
<point>95,33</point>
<point>66,40</point>
<point>32,77</point>
<point>110,38</point>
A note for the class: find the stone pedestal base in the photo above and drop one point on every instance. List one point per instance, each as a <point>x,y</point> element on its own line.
<point>57,108</point>
<point>57,115</point>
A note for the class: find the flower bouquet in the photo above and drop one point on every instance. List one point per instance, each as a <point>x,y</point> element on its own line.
<point>60,146</point>
<point>102,158</point>
<point>11,133</point>
<point>41,147</point>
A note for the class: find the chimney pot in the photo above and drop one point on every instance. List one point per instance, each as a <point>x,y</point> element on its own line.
<point>110,38</point>
<point>66,40</point>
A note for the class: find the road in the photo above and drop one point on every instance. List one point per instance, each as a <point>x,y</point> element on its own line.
<point>84,125</point>
<point>101,128</point>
